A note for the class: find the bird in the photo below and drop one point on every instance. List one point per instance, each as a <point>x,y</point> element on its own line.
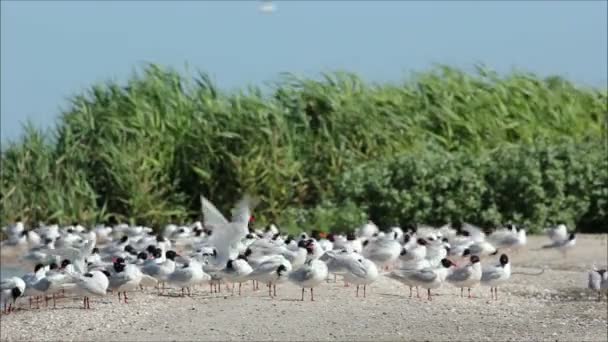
<point>496,275</point>
<point>563,245</point>
<point>272,270</point>
<point>125,277</point>
<point>160,271</point>
<point>467,276</point>
<point>237,271</point>
<point>188,275</point>
<point>428,278</point>
<point>11,289</point>
<point>309,275</point>
<point>383,251</point>
<point>93,283</point>
<point>598,281</point>
<point>360,271</point>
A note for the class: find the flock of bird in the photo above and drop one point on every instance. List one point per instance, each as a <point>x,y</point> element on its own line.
<point>125,258</point>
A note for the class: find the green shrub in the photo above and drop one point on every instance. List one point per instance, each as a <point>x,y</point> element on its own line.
<point>146,150</point>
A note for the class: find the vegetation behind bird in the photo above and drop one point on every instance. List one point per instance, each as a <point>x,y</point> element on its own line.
<point>319,153</point>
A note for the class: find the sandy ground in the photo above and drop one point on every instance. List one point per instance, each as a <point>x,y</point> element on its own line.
<point>552,306</point>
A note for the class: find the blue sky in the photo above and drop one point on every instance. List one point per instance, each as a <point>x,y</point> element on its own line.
<point>52,50</point>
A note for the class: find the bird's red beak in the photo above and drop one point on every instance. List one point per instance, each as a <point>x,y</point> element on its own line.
<point>251,218</point>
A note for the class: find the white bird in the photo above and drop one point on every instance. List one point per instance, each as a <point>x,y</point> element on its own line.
<point>468,276</point>
<point>557,233</point>
<point>188,275</point>
<point>160,271</point>
<point>496,275</point>
<point>227,235</point>
<point>237,271</point>
<point>367,230</point>
<point>511,239</point>
<point>598,281</point>
<point>428,278</point>
<point>563,245</point>
<point>383,251</point>
<point>11,289</point>
<point>93,283</point>
<point>309,275</point>
<point>125,277</point>
<point>271,271</point>
<point>361,271</point>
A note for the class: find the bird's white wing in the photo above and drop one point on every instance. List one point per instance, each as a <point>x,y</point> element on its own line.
<point>356,268</point>
<point>558,233</point>
<point>212,217</point>
<point>242,210</point>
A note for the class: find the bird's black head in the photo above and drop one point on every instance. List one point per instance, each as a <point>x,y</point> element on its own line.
<point>142,256</point>
<point>250,236</point>
<point>95,251</point>
<point>152,233</point>
<point>316,234</point>
<point>214,252</point>
<point>171,255</point>
<point>248,252</point>
<point>365,243</point>
<point>375,234</point>
<point>70,231</point>
<point>350,236</point>
<point>281,269</point>
<point>403,251</point>
<point>276,236</point>
<point>421,242</point>
<point>38,267</point>
<point>504,260</point>
<point>47,241</point>
<point>229,264</point>
<point>495,252</point>
<point>303,236</point>
<point>65,263</point>
<point>242,257</point>
<point>181,231</point>
<point>151,249</point>
<point>331,237</point>
<point>158,253</point>
<point>54,266</point>
<point>406,238</point>
<point>124,239</point>
<point>310,248</point>
<point>15,293</point>
<point>446,263</point>
<point>119,267</point>
<point>302,243</point>
<point>198,232</point>
<point>572,236</point>
<point>106,273</point>
<point>445,239</point>
<point>119,260</point>
<point>601,272</point>
<point>474,259</point>
<point>88,275</point>
<point>160,238</point>
<point>288,240</point>
<point>129,249</point>
<point>466,252</point>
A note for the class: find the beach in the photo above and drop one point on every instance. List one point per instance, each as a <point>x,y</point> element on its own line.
<point>554,305</point>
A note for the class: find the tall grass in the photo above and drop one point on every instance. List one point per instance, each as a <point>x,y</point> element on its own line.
<point>144,151</point>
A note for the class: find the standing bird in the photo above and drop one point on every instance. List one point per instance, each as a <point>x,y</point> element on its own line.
<point>496,275</point>
<point>93,283</point>
<point>309,275</point>
<point>360,271</point>
<point>467,276</point>
<point>598,281</point>
<point>428,278</point>
<point>11,289</point>
<point>124,278</point>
